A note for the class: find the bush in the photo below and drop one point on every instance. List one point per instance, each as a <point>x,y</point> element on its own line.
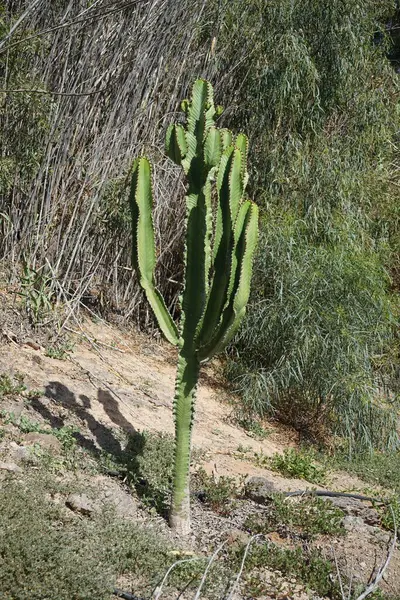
<point>378,468</point>
<point>309,516</point>
<point>47,553</point>
<point>149,459</point>
<point>307,567</point>
<point>323,120</point>
<point>218,495</point>
<point>298,464</point>
<point>320,315</point>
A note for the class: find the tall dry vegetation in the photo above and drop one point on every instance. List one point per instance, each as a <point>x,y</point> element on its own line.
<point>117,75</point>
<point>317,96</point>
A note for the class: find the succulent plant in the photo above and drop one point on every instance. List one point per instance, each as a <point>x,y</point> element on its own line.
<point>221,237</point>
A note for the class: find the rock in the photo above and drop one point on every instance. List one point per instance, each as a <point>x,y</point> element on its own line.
<point>355,507</point>
<point>80,503</point>
<point>125,505</point>
<point>259,489</point>
<point>237,538</point>
<point>20,453</point>
<point>10,466</point>
<point>32,344</point>
<point>45,440</point>
<point>382,537</point>
<point>351,523</point>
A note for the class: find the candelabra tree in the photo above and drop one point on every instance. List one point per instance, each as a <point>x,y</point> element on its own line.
<point>221,237</point>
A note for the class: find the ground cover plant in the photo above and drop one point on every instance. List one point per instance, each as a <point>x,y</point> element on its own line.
<point>377,468</point>
<point>148,464</point>
<point>48,552</point>
<point>301,464</point>
<point>306,567</point>
<point>309,516</point>
<point>219,247</point>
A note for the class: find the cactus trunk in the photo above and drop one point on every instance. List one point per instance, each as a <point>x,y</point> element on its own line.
<point>185,391</point>
<point>221,236</point>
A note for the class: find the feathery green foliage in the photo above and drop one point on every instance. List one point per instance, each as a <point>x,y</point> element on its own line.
<point>219,248</point>
<point>318,346</point>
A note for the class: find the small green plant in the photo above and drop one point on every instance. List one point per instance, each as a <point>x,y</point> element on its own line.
<point>218,495</point>
<point>149,461</point>
<point>252,427</point>
<point>59,351</point>
<point>221,237</point>
<point>11,385</point>
<point>310,516</point>
<point>32,395</point>
<point>24,424</point>
<point>43,548</point>
<point>390,514</point>
<point>36,292</point>
<point>66,435</point>
<point>307,567</point>
<point>378,468</point>
<point>298,464</point>
<point>243,450</point>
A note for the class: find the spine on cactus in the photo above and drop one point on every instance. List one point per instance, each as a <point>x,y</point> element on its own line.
<point>219,248</point>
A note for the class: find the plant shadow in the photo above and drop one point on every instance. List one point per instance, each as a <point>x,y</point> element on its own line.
<point>141,459</point>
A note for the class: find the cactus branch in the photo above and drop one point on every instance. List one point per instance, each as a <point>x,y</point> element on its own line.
<point>217,271</point>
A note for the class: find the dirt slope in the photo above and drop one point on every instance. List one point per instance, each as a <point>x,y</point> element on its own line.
<point>115,381</point>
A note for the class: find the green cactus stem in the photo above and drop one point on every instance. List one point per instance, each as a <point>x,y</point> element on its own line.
<point>219,248</point>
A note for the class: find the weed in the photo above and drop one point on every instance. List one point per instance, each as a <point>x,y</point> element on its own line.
<point>59,351</point>
<point>32,395</point>
<point>298,464</point>
<point>149,461</point>
<point>391,514</point>
<point>218,495</point>
<point>252,426</point>
<point>307,567</point>
<point>243,450</point>
<point>108,463</point>
<point>66,435</point>
<point>47,553</point>
<point>24,424</point>
<point>310,516</point>
<point>36,292</point>
<point>378,468</point>
<point>11,385</point>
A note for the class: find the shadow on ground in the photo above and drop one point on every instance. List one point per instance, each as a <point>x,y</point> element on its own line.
<point>131,452</point>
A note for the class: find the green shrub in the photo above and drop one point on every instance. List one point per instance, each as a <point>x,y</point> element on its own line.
<point>299,464</point>
<point>307,567</point>
<point>391,514</point>
<point>322,315</point>
<point>378,468</point>
<point>149,460</point>
<point>218,495</point>
<point>310,516</point>
<point>49,553</point>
